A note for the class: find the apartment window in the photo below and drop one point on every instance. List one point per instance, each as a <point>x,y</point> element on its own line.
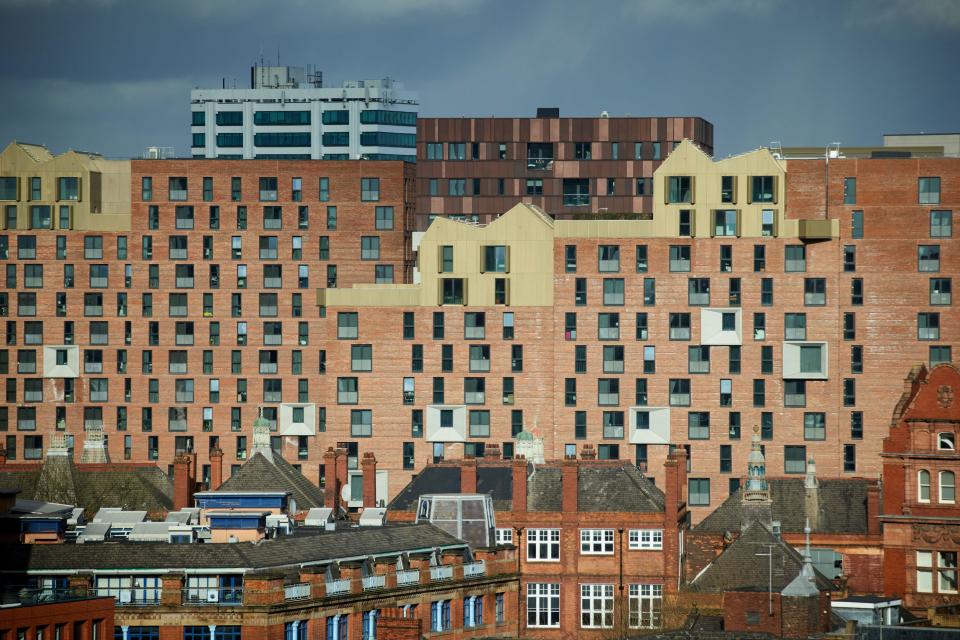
<point>940,354</point>
<point>849,191</point>
<point>642,327</point>
<point>726,257</point>
<point>649,359</point>
<point>543,545</point>
<point>759,392</point>
<point>929,189</point>
<point>941,224</point>
<point>795,258</point>
<point>698,359</point>
<point>679,189</point>
<point>580,359</point>
<point>608,391</point>
<point>947,486</point>
<point>369,189</point>
<point>474,390</point>
<point>698,425</point>
<point>725,222</point>
<point>570,258</point>
<point>613,291</point>
<point>679,389</point>
<point>608,326</point>
<point>814,426</point>
<point>474,325</point>
<point>613,359</point>
<point>177,189</point>
<point>680,258</point>
<point>580,292</point>
<point>649,292</point>
<point>849,326</point>
<point>794,393</point>
<point>928,257</point>
<point>698,491</point>
<point>849,258</point>
<point>698,291</point>
<point>763,189</point>
<point>608,256</point>
<point>370,248</point>
<point>928,326</point>
<point>794,459</point>
<point>856,291</point>
<point>814,291</point>
<point>856,225</point>
<point>347,325</point>
<point>849,392</point>
<point>479,357</point>
<point>856,425</point>
<point>941,290</point>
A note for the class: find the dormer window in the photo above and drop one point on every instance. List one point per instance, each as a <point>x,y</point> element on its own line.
<point>947,441</point>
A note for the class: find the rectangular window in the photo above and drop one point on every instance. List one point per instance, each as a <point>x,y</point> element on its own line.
<point>814,426</point>
<point>849,191</point>
<point>698,491</point>
<point>814,291</point>
<point>596,541</point>
<point>698,291</point>
<point>370,189</point>
<point>543,603</point>
<point>928,257</point>
<point>613,291</point>
<point>929,190</point>
<point>856,225</point>
<point>543,545</point>
<point>679,189</point>
<point>928,326</point>
<point>680,258</point>
<point>795,258</point>
<point>698,425</point>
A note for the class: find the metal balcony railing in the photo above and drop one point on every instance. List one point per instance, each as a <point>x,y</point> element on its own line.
<point>441,573</point>
<point>300,591</point>
<point>474,569</point>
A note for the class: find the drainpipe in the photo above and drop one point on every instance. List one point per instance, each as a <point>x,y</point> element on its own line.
<point>519,585</point>
<point>621,608</point>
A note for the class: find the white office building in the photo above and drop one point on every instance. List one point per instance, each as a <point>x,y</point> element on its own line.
<point>287,113</point>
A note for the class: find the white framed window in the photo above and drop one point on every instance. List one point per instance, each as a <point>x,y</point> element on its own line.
<point>947,441</point>
<point>646,539</point>
<point>646,606</point>
<point>543,545</point>
<point>923,485</point>
<point>948,487</point>
<point>504,535</point>
<point>924,571</point>
<point>543,604</point>
<point>947,571</point>
<point>596,606</point>
<point>596,541</point>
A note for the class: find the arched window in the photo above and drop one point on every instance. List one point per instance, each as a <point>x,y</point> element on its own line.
<point>923,485</point>
<point>947,441</point>
<point>948,486</point>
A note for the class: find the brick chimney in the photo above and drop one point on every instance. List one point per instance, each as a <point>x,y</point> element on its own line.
<point>341,468</point>
<point>216,468</point>
<point>873,509</point>
<point>588,452</point>
<point>3,455</point>
<point>492,450</point>
<point>569,486</point>
<point>519,484</point>
<point>675,473</point>
<point>468,475</point>
<point>331,492</point>
<point>369,467</point>
<point>182,481</point>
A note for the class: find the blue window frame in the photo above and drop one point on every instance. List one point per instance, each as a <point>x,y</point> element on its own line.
<point>295,630</point>
<point>370,624</point>
<point>473,611</point>
<point>338,627</point>
<point>196,632</point>
<point>440,615</point>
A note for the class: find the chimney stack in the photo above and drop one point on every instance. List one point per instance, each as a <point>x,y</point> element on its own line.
<point>588,452</point>
<point>341,468</point>
<point>369,467</point>
<point>519,484</point>
<point>468,475</point>
<point>182,482</point>
<point>675,473</point>
<point>331,492</point>
<point>216,468</point>
<point>812,495</point>
<point>569,486</point>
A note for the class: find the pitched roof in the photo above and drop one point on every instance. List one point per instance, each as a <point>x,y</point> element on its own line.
<point>842,507</point>
<point>136,487</point>
<point>274,474</point>
<point>317,547</point>
<point>600,487</point>
<point>739,568</point>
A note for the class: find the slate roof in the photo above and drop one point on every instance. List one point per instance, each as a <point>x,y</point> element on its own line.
<point>127,486</point>
<point>281,552</point>
<point>276,474</point>
<point>738,568</point>
<point>842,507</point>
<point>601,488</point>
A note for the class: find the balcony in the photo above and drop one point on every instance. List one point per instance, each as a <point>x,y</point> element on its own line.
<point>815,229</point>
<point>335,587</point>
<point>409,576</point>
<point>374,582</point>
<point>474,569</point>
<point>540,164</point>
<point>576,199</point>
<point>300,591</point>
<point>442,572</point>
<point>221,596</point>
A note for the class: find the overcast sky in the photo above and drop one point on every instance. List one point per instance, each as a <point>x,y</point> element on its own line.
<point>115,75</point>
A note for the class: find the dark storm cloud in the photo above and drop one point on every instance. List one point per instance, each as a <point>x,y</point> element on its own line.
<point>115,75</point>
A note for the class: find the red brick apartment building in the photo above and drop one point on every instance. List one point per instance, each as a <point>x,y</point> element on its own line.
<point>599,544</point>
<point>921,519</point>
<point>759,291</point>
<point>477,168</point>
<point>64,616</point>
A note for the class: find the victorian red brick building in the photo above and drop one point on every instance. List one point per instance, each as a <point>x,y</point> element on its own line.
<point>921,517</point>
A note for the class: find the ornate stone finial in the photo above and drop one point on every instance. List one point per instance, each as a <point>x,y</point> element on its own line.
<point>810,481</point>
<point>58,445</point>
<point>94,445</point>
<point>261,435</point>
<point>757,488</point>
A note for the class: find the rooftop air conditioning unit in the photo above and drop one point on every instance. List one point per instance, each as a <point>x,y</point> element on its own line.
<point>212,596</point>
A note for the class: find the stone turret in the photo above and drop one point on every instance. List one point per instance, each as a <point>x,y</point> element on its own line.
<point>95,446</point>
<point>755,495</point>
